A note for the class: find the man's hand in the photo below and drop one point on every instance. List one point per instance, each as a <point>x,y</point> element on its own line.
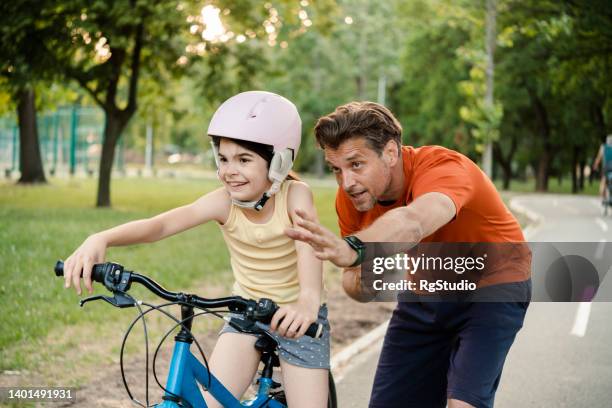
<point>326,245</point>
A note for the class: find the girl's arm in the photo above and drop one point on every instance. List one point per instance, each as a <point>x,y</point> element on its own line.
<point>212,206</point>
<point>297,317</point>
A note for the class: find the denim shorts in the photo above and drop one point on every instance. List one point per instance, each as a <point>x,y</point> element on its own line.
<point>303,352</point>
<point>434,351</point>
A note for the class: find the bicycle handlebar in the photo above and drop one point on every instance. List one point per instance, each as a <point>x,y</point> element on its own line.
<point>116,279</point>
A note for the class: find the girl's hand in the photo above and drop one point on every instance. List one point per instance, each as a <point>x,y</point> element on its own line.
<point>91,251</point>
<point>296,318</point>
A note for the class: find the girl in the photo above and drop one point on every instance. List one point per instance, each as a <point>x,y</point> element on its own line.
<point>256,136</point>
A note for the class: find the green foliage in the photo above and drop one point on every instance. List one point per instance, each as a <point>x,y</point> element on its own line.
<point>543,58</point>
<point>25,28</point>
<point>552,81</point>
<point>552,61</point>
<point>428,98</point>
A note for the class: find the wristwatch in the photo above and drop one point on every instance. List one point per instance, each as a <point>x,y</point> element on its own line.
<point>357,245</point>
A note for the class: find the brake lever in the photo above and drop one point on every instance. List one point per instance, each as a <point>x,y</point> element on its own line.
<point>245,326</point>
<point>118,300</point>
<point>116,280</point>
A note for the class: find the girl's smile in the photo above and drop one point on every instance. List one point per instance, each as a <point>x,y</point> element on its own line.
<point>243,172</point>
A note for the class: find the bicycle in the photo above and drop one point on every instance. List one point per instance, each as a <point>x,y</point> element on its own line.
<point>186,371</point>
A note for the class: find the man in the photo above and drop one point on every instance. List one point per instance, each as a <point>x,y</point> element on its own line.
<point>434,354</point>
<point>604,158</point>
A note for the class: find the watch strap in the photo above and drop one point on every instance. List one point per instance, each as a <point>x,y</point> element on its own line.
<point>357,245</point>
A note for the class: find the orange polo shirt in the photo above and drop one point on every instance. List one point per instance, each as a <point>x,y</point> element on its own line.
<point>481,215</point>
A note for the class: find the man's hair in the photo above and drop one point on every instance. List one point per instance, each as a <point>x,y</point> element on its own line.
<point>609,139</point>
<point>369,120</point>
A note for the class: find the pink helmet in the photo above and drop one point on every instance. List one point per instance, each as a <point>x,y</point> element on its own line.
<point>261,117</point>
<point>266,118</point>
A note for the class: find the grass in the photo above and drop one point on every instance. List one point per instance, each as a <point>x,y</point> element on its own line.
<point>554,187</point>
<point>41,224</point>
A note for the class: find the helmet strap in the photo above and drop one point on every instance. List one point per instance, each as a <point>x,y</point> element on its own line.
<point>215,154</point>
<point>253,205</point>
<point>259,204</point>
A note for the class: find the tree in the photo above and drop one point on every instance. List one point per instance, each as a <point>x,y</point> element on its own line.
<point>23,65</point>
<point>557,55</point>
<point>111,45</point>
<point>428,99</point>
<point>104,48</point>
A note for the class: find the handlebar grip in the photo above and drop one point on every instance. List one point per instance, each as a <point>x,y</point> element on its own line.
<point>97,273</point>
<point>315,330</point>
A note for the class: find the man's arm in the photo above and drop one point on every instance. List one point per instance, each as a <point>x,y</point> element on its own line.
<point>421,218</point>
<point>409,224</point>
<point>351,283</point>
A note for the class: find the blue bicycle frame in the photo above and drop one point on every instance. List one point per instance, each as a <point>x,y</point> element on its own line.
<point>186,371</point>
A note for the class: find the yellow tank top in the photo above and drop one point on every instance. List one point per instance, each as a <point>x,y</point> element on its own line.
<point>263,258</point>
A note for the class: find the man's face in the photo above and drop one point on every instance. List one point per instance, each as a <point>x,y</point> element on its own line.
<point>360,171</point>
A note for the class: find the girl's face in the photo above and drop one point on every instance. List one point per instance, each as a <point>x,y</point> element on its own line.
<point>243,172</point>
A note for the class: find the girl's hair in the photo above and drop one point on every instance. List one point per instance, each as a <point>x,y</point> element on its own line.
<point>263,150</point>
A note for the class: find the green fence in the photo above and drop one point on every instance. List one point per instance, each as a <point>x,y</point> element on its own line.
<point>70,141</point>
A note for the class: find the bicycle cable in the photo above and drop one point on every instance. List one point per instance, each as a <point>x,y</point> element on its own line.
<point>123,343</point>
<point>125,384</point>
<point>178,323</point>
<point>206,311</point>
<point>164,339</point>
<point>146,336</point>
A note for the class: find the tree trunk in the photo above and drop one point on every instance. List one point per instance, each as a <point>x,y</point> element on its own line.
<point>30,161</point>
<point>113,126</point>
<point>491,39</point>
<point>574,168</point>
<point>599,120</point>
<point>505,162</point>
<point>543,126</point>
<point>582,164</point>
<point>116,119</point>
<point>317,86</point>
<point>542,173</point>
<point>506,178</point>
